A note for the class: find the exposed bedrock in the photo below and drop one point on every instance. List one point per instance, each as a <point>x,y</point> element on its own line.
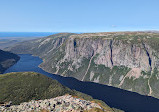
<point>125,60</point>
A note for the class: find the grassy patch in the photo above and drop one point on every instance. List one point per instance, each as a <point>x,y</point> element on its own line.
<point>79,72</point>
<point>26,86</point>
<point>139,85</point>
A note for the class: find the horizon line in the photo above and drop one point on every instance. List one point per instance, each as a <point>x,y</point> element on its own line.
<point>78,32</point>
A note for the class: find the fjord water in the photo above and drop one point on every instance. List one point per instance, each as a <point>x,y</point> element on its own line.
<point>114,97</point>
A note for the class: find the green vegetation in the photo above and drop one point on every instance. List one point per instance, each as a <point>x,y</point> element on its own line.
<point>61,35</point>
<point>154,83</point>
<point>146,73</point>
<point>55,48</point>
<point>104,73</point>
<point>139,85</point>
<point>153,42</point>
<point>79,72</point>
<point>25,86</point>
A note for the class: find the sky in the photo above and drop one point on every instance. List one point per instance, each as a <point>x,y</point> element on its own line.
<point>78,15</point>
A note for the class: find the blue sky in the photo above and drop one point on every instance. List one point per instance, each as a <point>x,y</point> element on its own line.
<point>78,15</point>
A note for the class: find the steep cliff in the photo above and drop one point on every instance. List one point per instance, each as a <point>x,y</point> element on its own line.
<point>128,60</point>
<point>7,59</point>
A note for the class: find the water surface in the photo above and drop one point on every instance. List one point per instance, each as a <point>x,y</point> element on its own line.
<point>114,97</point>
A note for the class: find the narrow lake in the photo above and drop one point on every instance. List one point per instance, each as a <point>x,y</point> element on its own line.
<point>114,97</point>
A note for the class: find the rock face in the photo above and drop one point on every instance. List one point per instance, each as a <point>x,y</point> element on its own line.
<point>65,103</point>
<point>7,59</point>
<point>128,60</point>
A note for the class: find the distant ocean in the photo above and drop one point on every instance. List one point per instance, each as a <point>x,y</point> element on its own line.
<point>25,34</point>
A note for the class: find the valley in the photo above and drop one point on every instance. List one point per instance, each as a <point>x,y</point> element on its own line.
<point>127,60</point>
<point>114,97</point>
<point>79,56</point>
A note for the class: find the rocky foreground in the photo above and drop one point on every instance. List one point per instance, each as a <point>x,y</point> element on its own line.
<point>65,103</point>
<point>34,88</point>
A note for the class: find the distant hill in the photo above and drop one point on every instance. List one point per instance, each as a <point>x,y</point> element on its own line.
<point>9,42</point>
<point>7,59</point>
<point>26,86</point>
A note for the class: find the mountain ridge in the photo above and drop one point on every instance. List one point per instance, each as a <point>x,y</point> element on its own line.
<point>7,59</point>
<point>127,60</point>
